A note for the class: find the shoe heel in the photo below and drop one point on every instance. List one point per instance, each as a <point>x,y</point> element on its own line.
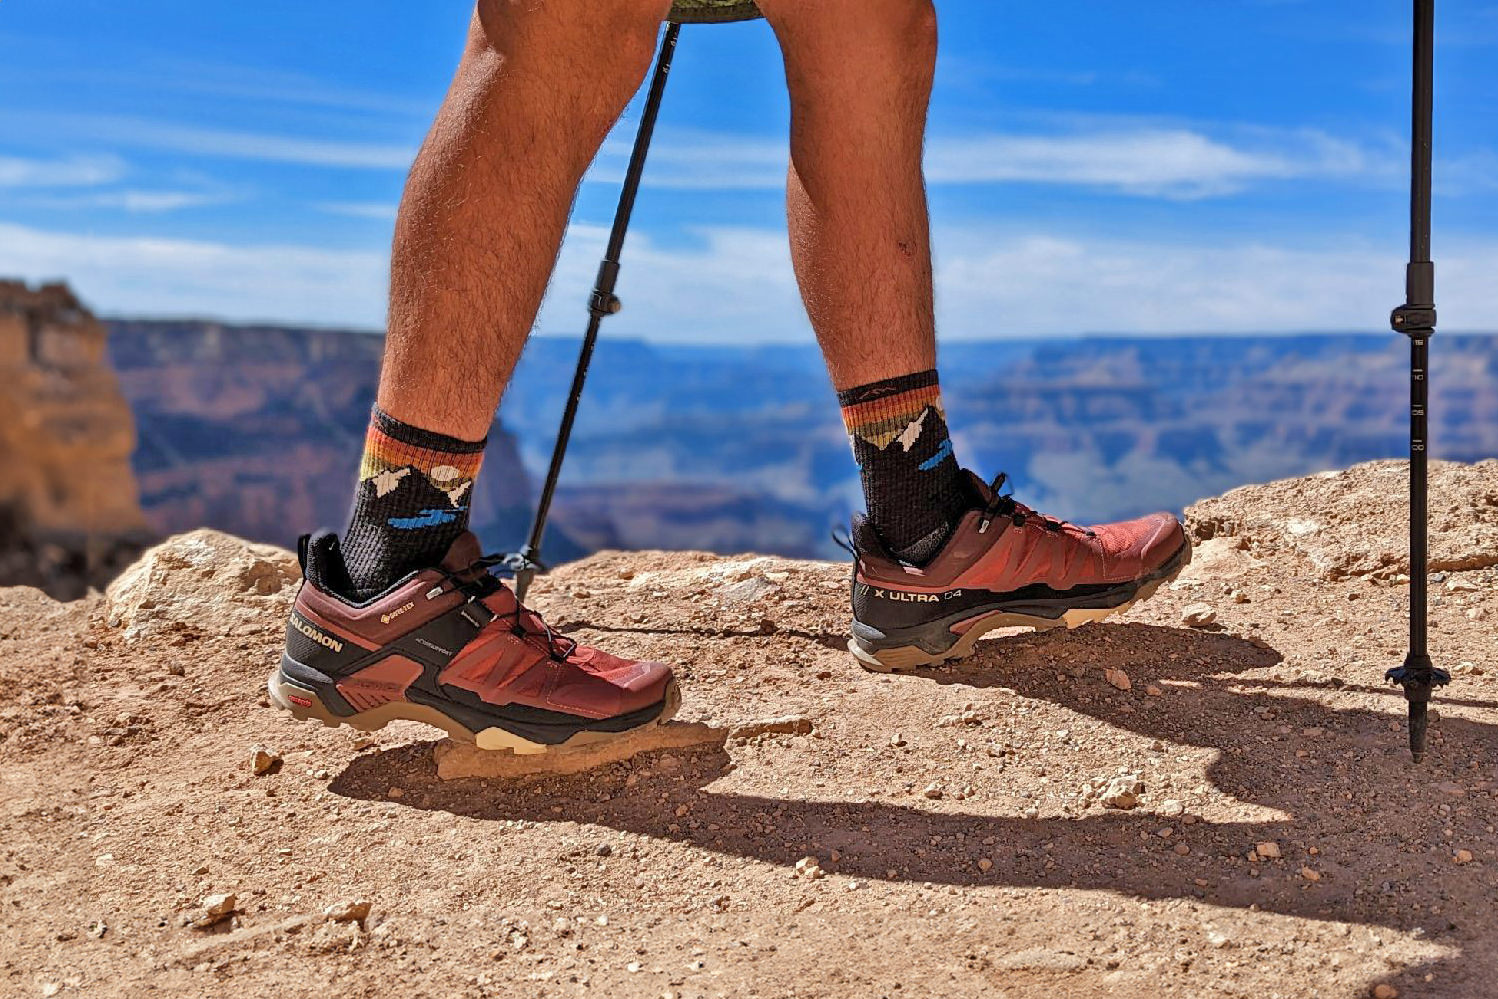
<point>903,659</point>
<point>301,700</point>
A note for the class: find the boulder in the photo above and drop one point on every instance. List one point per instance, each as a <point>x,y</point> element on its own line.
<point>203,581</point>
<point>1355,522</point>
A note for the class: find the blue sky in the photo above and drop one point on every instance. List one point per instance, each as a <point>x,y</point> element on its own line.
<point>1093,166</point>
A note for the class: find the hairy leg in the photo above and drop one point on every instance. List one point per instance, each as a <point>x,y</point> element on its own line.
<point>859,73</point>
<point>539,86</point>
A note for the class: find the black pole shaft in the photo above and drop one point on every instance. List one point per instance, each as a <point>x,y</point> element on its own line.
<point>1422,112</point>
<point>603,301</point>
<point>1419,293</point>
<point>1416,318</point>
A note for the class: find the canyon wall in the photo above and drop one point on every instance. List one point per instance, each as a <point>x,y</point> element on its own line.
<point>69,508</point>
<point>257,430</point>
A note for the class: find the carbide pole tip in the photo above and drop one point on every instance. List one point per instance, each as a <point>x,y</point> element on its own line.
<point>1417,730</point>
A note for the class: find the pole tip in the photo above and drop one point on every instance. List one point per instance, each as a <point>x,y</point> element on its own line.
<point>1418,723</point>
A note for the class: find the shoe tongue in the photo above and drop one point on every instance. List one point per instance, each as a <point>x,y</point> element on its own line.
<point>463,552</point>
<point>982,493</point>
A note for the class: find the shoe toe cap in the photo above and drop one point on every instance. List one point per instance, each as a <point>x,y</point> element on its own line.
<point>1163,536</point>
<point>603,685</point>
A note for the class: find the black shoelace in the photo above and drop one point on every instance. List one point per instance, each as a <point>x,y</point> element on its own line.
<point>1004,505</point>
<point>477,582</point>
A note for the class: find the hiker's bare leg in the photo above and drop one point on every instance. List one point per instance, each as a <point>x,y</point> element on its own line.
<point>487,201</point>
<point>859,73</point>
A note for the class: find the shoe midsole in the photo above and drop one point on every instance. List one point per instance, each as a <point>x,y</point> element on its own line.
<point>535,724</point>
<point>937,635</point>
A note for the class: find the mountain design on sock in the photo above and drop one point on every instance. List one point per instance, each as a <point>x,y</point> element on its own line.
<point>390,456</point>
<point>410,503</point>
<point>893,410</point>
<point>912,483</point>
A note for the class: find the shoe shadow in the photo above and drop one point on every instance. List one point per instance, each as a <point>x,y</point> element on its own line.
<point>1375,821</point>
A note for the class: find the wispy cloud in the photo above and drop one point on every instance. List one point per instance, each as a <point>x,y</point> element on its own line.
<point>132,201</point>
<point>972,74</point>
<point>1133,159</point>
<point>143,275</point>
<point>238,145</point>
<point>384,210</point>
<point>74,171</point>
<point>145,133</point>
<point>736,284</point>
<point>688,159</point>
<point>1141,160</point>
<point>262,85</point>
<point>1153,162</point>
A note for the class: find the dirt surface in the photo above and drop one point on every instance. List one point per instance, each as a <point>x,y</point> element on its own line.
<point>1279,842</point>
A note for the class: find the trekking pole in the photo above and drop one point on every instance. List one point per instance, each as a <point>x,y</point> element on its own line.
<point>603,302</point>
<point>1416,319</point>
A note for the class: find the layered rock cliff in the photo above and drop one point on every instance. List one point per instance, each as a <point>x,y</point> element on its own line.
<point>258,430</point>
<point>69,509</point>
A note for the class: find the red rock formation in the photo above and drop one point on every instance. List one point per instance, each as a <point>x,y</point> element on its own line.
<point>69,507</point>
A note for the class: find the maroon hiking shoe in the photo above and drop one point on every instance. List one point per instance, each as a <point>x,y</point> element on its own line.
<point>1003,565</point>
<point>452,647</point>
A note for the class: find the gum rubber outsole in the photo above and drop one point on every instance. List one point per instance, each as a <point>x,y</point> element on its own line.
<point>910,658</point>
<point>492,738</point>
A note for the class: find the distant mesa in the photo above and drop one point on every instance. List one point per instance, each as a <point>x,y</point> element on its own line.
<point>70,513</point>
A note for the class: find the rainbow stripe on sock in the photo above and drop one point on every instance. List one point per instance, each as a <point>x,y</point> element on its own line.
<point>392,448</point>
<point>884,411</point>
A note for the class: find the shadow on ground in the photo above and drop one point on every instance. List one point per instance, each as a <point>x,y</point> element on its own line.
<point>1372,815</point>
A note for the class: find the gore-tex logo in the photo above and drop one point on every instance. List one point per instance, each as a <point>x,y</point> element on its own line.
<point>387,618</point>
<point>320,637</point>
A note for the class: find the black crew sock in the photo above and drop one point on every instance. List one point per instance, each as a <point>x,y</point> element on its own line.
<point>411,502</point>
<point>912,483</point>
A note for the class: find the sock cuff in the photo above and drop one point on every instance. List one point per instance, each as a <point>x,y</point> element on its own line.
<point>880,411</point>
<point>428,440</point>
<point>391,444</point>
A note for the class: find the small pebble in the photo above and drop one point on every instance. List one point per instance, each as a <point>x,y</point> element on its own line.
<point>353,911</point>
<point>810,868</point>
<point>264,761</point>
<point>1198,615</point>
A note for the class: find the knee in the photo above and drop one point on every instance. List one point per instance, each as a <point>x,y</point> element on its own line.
<point>896,35</point>
<point>596,51</point>
<point>909,27</point>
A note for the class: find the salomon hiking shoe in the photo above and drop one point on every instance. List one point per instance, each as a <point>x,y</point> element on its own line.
<point>1003,565</point>
<point>451,646</point>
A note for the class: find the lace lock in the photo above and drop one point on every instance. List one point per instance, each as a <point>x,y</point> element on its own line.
<point>474,609</point>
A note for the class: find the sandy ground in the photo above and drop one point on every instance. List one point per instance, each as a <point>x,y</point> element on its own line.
<point>1281,843</point>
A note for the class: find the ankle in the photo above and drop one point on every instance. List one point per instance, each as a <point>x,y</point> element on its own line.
<point>411,502</point>
<point>914,488</point>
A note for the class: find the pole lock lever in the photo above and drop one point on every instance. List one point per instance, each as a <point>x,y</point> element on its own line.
<point>1414,319</point>
<point>604,303</point>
